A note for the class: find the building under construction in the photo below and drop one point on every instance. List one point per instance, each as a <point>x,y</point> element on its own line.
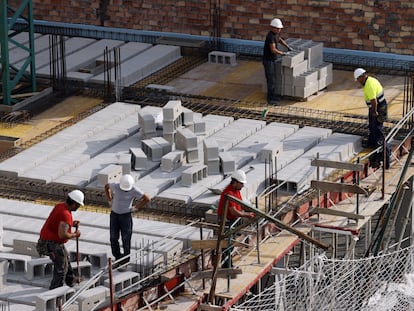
<point>89,95</point>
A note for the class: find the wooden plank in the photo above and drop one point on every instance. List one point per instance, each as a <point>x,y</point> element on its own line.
<point>207,244</point>
<point>207,307</point>
<point>338,165</point>
<point>331,211</point>
<point>328,186</point>
<point>221,273</point>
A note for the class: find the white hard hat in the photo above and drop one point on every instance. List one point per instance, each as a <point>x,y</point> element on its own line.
<point>240,176</point>
<point>127,182</point>
<point>359,72</point>
<point>277,23</point>
<point>77,196</point>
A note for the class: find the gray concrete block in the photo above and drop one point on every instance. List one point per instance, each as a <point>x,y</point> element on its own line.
<point>213,166</point>
<point>49,300</point>
<point>185,139</point>
<point>293,58</point>
<point>91,298</point>
<point>122,280</point>
<point>211,149</point>
<point>297,70</point>
<point>219,57</point>
<point>17,262</point>
<point>85,268</point>
<point>227,162</point>
<point>193,175</point>
<point>172,160</point>
<point>192,156</point>
<point>306,78</point>
<point>308,90</point>
<point>39,268</point>
<point>111,173</point>
<point>172,110</point>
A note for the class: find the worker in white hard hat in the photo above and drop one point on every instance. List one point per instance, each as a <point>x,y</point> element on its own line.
<point>56,231</point>
<point>123,197</point>
<point>234,210</point>
<point>377,112</point>
<point>271,52</point>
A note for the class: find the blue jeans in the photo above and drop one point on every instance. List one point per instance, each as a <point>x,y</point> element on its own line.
<point>271,79</point>
<point>120,224</point>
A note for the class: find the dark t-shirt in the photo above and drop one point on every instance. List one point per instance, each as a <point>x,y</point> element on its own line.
<point>270,38</point>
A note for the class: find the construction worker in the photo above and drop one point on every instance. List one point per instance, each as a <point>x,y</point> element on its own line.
<point>121,197</point>
<point>377,107</point>
<point>270,55</point>
<point>56,231</point>
<point>234,210</point>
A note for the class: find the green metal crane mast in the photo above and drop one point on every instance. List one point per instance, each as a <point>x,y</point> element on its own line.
<point>10,74</point>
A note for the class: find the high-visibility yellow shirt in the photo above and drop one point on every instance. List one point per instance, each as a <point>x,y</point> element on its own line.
<point>372,89</point>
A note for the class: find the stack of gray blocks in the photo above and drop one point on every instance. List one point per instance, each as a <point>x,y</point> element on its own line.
<point>303,72</point>
<point>171,121</point>
<point>187,140</point>
<point>211,156</point>
<point>155,148</point>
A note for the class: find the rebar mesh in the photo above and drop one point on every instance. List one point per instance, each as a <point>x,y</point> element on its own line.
<point>377,283</point>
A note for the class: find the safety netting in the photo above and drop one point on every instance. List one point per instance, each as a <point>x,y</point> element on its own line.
<point>384,282</point>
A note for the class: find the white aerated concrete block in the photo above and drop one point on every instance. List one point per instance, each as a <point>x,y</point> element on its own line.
<point>172,110</point>
<point>111,173</point>
<point>92,297</point>
<point>218,57</point>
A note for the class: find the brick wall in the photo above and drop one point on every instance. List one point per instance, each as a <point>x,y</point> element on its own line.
<point>374,25</point>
